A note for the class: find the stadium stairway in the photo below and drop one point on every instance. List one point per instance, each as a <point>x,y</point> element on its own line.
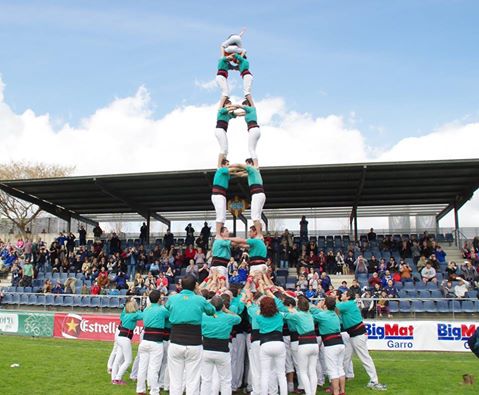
<point>453,254</point>
<point>335,280</point>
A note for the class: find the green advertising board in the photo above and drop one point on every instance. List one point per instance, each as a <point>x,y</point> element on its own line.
<point>38,324</point>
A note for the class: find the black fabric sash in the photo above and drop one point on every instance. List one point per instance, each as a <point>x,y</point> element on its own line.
<point>186,335</point>
<point>275,336</point>
<point>332,339</point>
<point>212,344</point>
<point>308,338</point>
<point>357,330</point>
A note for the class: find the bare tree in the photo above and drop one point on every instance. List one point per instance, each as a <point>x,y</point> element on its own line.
<point>22,213</point>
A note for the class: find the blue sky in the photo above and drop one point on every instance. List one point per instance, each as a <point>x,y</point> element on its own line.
<point>403,67</point>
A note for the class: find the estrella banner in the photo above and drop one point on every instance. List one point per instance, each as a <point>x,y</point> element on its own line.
<point>419,335</point>
<point>79,326</point>
<point>38,324</point>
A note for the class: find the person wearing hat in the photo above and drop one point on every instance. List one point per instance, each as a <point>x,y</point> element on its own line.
<point>216,331</point>
<point>186,311</point>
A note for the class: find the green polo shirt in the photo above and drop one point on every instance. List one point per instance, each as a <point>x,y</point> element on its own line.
<point>223,64</point>
<point>327,320</point>
<point>219,326</point>
<point>250,114</point>
<point>128,320</point>
<point>28,270</point>
<point>154,316</point>
<point>222,177</point>
<point>224,115</point>
<point>243,64</point>
<point>222,248</point>
<point>257,248</point>
<point>303,321</point>
<point>187,308</point>
<point>350,313</point>
<point>254,176</point>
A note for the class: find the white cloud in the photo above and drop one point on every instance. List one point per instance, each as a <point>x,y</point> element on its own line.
<point>124,137</point>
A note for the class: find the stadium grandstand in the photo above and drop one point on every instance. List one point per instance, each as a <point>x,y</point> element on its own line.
<point>394,273</point>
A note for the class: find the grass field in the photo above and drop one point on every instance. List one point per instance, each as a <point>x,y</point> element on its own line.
<point>54,366</point>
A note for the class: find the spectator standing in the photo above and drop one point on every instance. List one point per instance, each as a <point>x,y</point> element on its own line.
<point>284,255</point>
<point>143,233</point>
<point>406,271</point>
<point>27,274</point>
<point>168,239</point>
<point>131,259</point>
<point>82,235</point>
<point>190,235</point>
<point>97,232</point>
<point>115,244</point>
<point>303,229</point>
<point>27,249</point>
<point>206,234</point>
<point>440,254</point>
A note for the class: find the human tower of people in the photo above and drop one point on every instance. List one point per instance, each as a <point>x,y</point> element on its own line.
<point>213,338</point>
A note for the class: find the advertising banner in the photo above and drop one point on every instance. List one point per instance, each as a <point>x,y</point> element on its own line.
<point>27,323</point>
<point>89,326</point>
<point>420,335</point>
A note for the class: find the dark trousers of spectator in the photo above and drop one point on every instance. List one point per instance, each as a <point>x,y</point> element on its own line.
<point>27,281</point>
<point>366,313</point>
<point>303,235</point>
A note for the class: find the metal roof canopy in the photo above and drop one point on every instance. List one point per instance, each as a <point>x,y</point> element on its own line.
<point>341,190</point>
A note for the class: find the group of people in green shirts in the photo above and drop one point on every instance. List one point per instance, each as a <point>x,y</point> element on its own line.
<point>195,337</point>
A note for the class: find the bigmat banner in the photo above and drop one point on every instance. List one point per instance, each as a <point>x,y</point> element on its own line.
<point>420,335</point>
<point>89,326</point>
<point>27,323</point>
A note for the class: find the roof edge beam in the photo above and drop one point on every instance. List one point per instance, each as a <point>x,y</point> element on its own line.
<point>460,201</point>
<point>51,208</point>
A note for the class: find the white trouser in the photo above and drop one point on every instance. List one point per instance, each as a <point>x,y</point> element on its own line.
<point>111,358</point>
<point>150,355</point>
<point>334,357</point>
<point>307,357</point>
<point>233,41</point>
<point>272,357</point>
<point>122,358</point>
<point>321,365</point>
<point>247,83</point>
<point>222,83</point>
<point>294,356</point>
<point>289,367</point>
<point>360,347</point>
<point>258,268</point>
<point>238,354</point>
<point>164,377</point>
<point>348,352</point>
<point>222,362</point>
<point>184,367</point>
<point>253,136</point>
<point>135,367</point>
<point>219,201</point>
<point>257,204</point>
<point>255,367</point>
<point>222,138</point>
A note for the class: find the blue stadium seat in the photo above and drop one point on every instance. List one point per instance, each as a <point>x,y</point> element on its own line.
<point>435,293</point>
<point>56,276</point>
<point>420,285</point>
<point>449,237</point>
<point>291,279</point>
<point>95,301</point>
<point>77,301</point>
<point>417,306</point>
<point>40,276</point>
<point>19,289</point>
<point>27,290</point>
<point>290,285</point>
<point>411,293</point>
<point>49,300</point>
<point>32,299</point>
<point>439,277</point>
<point>85,301</point>
<point>63,277</point>
<point>122,302</point>
<point>41,300</point>
<point>114,303</point>
<point>404,306</point>
<point>409,285</point>
<point>423,293</point>
<point>78,289</point>
<point>471,294</point>
<point>431,285</point>
<point>394,306</point>
<point>7,299</point>
<point>455,306</point>
<point>430,306</point>
<point>468,306</point>
<point>104,302</point>
<point>442,306</point>
<point>79,276</point>
<point>10,289</point>
<point>123,291</point>
<point>23,299</point>
<point>37,283</point>
<point>399,285</point>
<point>402,293</point>
<point>282,272</point>
<point>15,298</point>
<point>58,300</point>
<point>68,301</point>
<point>87,283</point>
